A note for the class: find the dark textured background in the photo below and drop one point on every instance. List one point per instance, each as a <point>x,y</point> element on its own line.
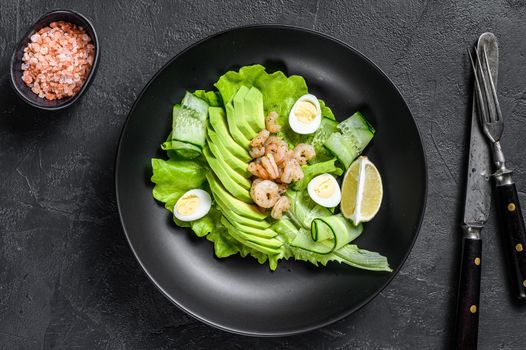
<point>67,276</point>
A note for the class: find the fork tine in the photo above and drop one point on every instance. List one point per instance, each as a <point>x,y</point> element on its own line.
<point>490,116</point>
<point>480,100</point>
<point>493,90</point>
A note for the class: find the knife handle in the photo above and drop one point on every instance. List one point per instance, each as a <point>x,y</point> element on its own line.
<point>468,294</point>
<point>514,234</point>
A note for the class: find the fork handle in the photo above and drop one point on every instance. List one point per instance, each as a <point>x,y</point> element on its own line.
<point>514,234</point>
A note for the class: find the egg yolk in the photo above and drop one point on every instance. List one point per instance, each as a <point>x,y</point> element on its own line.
<point>324,187</point>
<point>305,111</point>
<point>188,204</point>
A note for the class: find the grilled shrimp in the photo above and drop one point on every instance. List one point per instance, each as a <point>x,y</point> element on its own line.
<point>270,166</point>
<point>252,168</point>
<point>260,138</point>
<point>256,152</point>
<point>271,122</point>
<point>258,170</point>
<point>288,155</point>
<point>281,206</point>
<point>291,172</point>
<point>265,193</point>
<point>277,147</point>
<point>304,152</point>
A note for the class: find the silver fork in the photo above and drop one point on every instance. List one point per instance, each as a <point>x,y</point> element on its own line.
<point>510,214</point>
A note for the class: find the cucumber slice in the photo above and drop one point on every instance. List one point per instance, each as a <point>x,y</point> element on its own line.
<point>356,122</point>
<point>327,127</point>
<point>353,136</point>
<point>195,103</point>
<point>187,127</point>
<point>186,150</point>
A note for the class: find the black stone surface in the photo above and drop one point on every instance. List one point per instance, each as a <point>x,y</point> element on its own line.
<point>67,276</point>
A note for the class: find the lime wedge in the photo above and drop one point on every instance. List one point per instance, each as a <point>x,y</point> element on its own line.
<point>362,191</point>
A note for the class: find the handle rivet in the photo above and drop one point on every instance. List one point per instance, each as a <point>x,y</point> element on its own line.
<point>477,261</point>
<point>519,247</point>
<point>473,309</point>
<point>511,207</point>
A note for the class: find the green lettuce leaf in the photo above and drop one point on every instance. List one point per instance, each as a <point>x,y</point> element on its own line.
<point>224,245</point>
<point>313,170</point>
<point>211,97</point>
<point>172,178</point>
<point>326,112</point>
<point>350,255</point>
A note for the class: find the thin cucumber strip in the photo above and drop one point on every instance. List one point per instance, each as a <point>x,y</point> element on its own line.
<point>362,259</point>
<point>327,235</point>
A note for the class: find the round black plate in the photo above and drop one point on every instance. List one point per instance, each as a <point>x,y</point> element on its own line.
<point>237,294</point>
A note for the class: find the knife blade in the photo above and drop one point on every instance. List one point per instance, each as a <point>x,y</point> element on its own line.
<point>476,212</point>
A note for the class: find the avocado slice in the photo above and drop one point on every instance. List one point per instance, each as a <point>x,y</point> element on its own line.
<point>221,152</point>
<point>227,170</point>
<point>234,217</point>
<point>241,113</point>
<point>229,178</point>
<point>218,124</point>
<point>254,109</point>
<point>269,246</point>
<point>265,250</point>
<point>239,207</point>
<point>263,233</point>
<point>233,127</point>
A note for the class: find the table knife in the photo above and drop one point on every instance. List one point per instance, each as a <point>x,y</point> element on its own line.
<point>476,211</point>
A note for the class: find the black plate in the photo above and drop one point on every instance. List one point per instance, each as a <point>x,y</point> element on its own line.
<point>236,294</point>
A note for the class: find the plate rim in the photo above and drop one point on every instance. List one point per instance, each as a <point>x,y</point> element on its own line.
<point>300,330</point>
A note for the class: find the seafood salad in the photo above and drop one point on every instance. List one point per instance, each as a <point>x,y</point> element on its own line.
<point>260,167</point>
